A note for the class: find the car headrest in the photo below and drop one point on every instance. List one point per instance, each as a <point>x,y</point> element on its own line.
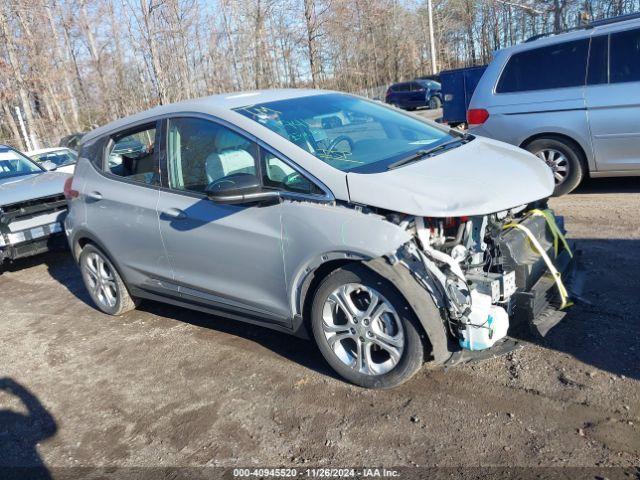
<point>229,140</point>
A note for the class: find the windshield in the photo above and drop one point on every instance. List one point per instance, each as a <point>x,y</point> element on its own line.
<point>430,84</point>
<point>59,158</point>
<point>14,164</point>
<point>348,133</point>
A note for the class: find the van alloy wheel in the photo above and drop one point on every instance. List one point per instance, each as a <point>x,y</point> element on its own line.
<point>558,163</point>
<point>363,329</point>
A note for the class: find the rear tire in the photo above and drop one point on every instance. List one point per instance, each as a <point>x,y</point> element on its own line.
<point>103,282</point>
<point>565,160</point>
<point>378,343</point>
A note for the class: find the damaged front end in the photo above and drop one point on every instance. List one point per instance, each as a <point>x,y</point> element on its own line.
<point>491,275</point>
<point>31,227</point>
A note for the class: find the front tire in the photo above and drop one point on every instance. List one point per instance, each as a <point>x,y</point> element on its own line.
<point>103,282</point>
<point>564,159</point>
<point>365,329</point>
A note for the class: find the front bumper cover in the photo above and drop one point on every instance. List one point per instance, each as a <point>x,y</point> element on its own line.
<point>32,227</point>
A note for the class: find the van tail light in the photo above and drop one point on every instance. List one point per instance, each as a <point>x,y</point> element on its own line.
<point>477,116</point>
<point>69,193</point>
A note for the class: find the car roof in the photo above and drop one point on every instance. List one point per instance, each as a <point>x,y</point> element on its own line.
<point>217,105</point>
<point>573,35</point>
<point>45,150</point>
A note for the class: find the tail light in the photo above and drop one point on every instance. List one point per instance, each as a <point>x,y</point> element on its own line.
<point>69,192</point>
<point>388,94</point>
<point>477,116</point>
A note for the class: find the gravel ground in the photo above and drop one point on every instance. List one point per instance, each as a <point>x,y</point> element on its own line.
<point>170,387</point>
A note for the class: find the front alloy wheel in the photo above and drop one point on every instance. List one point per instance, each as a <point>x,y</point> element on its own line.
<point>365,329</point>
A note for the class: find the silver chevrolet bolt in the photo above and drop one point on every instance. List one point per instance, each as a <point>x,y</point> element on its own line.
<point>320,214</point>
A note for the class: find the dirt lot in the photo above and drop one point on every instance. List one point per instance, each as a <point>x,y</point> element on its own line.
<point>164,386</point>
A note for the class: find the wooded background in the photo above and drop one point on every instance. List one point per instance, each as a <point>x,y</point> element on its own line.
<point>71,65</point>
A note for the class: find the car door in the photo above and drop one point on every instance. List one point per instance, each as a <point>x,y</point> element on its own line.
<point>120,196</point>
<point>613,100</point>
<point>417,95</point>
<point>403,95</point>
<point>226,257</point>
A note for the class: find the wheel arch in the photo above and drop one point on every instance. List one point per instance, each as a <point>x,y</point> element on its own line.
<point>304,289</point>
<point>82,239</point>
<point>419,299</point>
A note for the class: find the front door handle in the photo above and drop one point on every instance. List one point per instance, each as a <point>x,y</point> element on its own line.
<point>174,214</point>
<point>95,195</point>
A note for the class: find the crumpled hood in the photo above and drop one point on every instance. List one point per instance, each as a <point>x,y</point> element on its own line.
<point>27,187</point>
<point>483,176</point>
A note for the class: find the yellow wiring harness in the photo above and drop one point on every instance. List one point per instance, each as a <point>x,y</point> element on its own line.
<point>557,235</point>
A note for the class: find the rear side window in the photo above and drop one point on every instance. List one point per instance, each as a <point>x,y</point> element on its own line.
<point>625,56</point>
<point>132,155</point>
<point>598,61</point>
<point>556,66</point>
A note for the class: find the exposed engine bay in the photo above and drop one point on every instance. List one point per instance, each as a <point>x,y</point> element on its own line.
<point>478,269</point>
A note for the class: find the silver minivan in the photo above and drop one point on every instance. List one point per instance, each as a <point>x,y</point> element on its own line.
<point>572,99</point>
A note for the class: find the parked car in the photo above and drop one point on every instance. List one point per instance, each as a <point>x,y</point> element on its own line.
<point>405,243</point>
<point>71,141</point>
<point>415,94</point>
<point>572,99</point>
<point>32,206</point>
<point>56,158</point>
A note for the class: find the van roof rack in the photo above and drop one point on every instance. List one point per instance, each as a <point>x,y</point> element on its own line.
<point>596,23</point>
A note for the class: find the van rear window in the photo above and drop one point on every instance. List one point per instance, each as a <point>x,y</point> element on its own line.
<point>556,66</point>
<point>625,56</point>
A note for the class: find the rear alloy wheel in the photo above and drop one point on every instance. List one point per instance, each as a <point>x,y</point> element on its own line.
<point>106,288</point>
<point>563,159</point>
<point>365,329</point>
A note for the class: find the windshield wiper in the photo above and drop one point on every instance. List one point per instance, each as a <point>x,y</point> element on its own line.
<point>414,157</point>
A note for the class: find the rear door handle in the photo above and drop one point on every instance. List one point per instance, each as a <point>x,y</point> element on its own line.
<point>95,195</point>
<point>174,213</point>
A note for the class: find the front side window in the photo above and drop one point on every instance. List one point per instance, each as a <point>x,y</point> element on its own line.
<point>280,175</point>
<point>625,56</point>
<point>202,153</point>
<point>346,132</point>
<point>14,164</point>
<point>132,155</point>
<point>556,66</point>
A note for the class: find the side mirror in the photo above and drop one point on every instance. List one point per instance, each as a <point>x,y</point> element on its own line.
<point>239,188</point>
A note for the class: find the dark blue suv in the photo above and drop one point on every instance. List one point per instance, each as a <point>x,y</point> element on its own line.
<point>414,94</point>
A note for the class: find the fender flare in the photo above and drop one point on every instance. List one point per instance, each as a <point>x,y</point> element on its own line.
<point>75,248</point>
<point>420,301</point>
